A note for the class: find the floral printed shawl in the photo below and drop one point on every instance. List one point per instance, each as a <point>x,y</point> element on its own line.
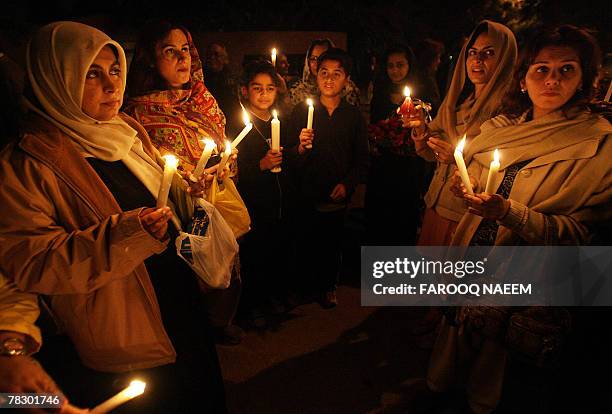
<point>177,120</point>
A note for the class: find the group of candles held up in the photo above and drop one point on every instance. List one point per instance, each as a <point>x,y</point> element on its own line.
<point>171,161</point>
<point>407,108</point>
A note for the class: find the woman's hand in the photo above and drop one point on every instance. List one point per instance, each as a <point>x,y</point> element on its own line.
<point>415,119</point>
<point>457,186</point>
<point>271,159</point>
<point>489,206</point>
<point>197,186</point>
<point>442,150</point>
<point>338,193</point>
<point>306,137</point>
<point>155,221</point>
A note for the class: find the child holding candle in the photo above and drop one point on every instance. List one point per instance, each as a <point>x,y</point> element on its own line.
<point>265,251</point>
<point>328,172</point>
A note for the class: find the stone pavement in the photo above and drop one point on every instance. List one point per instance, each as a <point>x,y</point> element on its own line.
<point>350,359</point>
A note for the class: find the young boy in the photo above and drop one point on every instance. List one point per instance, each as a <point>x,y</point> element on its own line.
<point>266,249</point>
<point>330,160</point>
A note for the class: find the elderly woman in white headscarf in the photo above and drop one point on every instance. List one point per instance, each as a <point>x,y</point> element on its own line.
<point>81,229</point>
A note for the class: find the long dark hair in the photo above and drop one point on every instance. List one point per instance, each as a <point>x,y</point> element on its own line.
<point>581,41</point>
<point>384,86</point>
<point>143,76</point>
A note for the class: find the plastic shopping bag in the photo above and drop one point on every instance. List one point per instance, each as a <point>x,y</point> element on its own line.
<point>209,247</point>
<point>227,201</point>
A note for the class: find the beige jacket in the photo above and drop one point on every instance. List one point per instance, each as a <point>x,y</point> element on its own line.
<point>63,234</point>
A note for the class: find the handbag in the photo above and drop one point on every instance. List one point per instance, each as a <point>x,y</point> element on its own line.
<point>226,199</point>
<point>537,335</point>
<point>209,246</point>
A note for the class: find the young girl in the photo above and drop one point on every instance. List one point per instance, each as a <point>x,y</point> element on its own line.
<point>266,248</point>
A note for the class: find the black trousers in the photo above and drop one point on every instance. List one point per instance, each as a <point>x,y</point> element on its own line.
<point>320,250</point>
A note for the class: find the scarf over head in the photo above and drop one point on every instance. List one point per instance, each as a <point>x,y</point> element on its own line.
<point>474,111</point>
<point>484,107</point>
<point>178,119</point>
<point>58,59</point>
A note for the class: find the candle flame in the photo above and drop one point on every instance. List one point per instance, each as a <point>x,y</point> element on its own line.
<point>208,142</point>
<point>309,102</point>
<point>274,52</point>
<point>461,144</point>
<point>171,160</point>
<point>407,92</point>
<point>275,114</point>
<point>245,117</point>
<point>136,388</point>
<point>496,156</point>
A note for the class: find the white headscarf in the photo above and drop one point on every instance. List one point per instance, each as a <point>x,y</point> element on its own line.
<point>58,58</point>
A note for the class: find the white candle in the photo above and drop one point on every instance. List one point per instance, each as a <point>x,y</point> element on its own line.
<point>275,138</point>
<point>609,93</point>
<point>274,58</point>
<point>493,169</point>
<point>247,128</point>
<point>170,165</point>
<point>209,145</point>
<point>135,389</point>
<point>224,158</point>
<point>461,166</point>
<point>310,116</point>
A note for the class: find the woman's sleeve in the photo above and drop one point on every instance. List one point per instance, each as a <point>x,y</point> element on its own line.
<point>574,228</point>
<point>43,256</point>
<point>18,312</point>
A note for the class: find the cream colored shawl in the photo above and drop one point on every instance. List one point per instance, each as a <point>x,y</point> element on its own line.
<point>570,175</point>
<point>58,58</point>
<point>449,128</point>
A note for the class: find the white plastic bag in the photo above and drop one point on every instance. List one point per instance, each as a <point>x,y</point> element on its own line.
<point>211,250</point>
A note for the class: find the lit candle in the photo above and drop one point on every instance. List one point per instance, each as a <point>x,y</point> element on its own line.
<point>461,166</point>
<point>493,169</point>
<point>407,107</point>
<point>135,389</point>
<point>224,158</point>
<point>275,138</point>
<point>171,162</point>
<point>274,58</point>
<point>247,128</point>
<point>310,116</point>
<point>209,145</point>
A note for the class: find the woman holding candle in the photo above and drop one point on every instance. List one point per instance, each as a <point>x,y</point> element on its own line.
<point>80,227</point>
<point>554,187</point>
<point>476,90</point>
<point>398,177</point>
<point>168,97</point>
<point>265,252</point>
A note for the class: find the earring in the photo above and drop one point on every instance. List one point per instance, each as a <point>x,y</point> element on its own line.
<point>523,90</point>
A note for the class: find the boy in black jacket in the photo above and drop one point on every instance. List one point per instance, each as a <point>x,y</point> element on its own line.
<point>266,250</point>
<point>330,159</point>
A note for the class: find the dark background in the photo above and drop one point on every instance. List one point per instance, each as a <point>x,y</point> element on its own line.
<point>370,27</point>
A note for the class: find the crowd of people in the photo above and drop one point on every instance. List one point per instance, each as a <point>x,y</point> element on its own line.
<point>87,245</point>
